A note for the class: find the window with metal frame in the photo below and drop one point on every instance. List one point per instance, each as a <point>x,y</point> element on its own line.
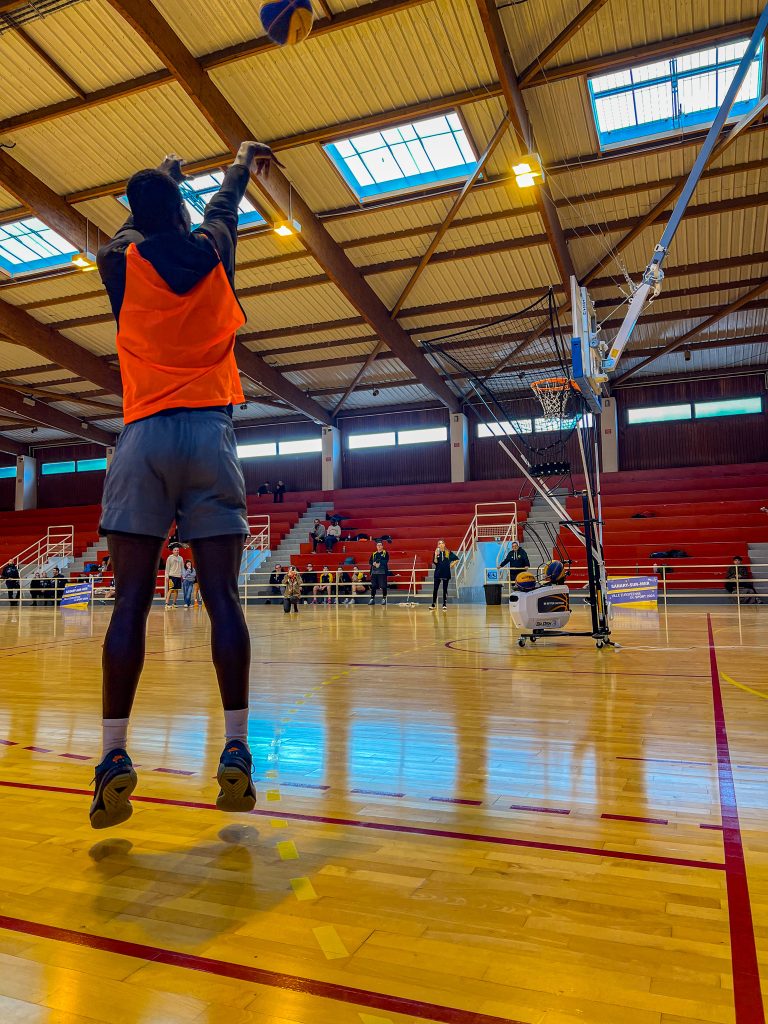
<point>29,245</point>
<point>659,414</point>
<point>728,407</point>
<point>197,192</point>
<point>7,472</point>
<point>57,468</point>
<point>507,428</point>
<point>424,435</point>
<point>671,96</point>
<point>386,439</point>
<point>306,446</point>
<point>544,424</point>
<point>418,154</point>
<point>257,451</point>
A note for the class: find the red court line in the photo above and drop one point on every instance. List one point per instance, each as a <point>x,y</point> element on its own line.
<point>633,817</point>
<point>415,830</point>
<point>375,792</point>
<point>456,800</point>
<point>662,760</point>
<point>747,997</point>
<point>255,975</point>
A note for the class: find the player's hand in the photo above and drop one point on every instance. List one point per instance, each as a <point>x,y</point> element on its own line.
<point>172,167</point>
<point>257,155</point>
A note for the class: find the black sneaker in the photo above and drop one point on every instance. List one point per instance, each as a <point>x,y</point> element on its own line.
<point>237,792</point>
<point>115,781</point>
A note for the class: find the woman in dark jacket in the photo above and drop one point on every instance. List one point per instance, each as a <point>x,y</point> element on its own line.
<point>443,560</point>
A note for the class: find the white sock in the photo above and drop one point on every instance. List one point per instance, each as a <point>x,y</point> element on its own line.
<point>236,725</point>
<point>114,734</point>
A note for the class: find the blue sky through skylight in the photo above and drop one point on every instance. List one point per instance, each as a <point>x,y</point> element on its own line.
<point>670,96</point>
<point>28,245</point>
<point>409,156</point>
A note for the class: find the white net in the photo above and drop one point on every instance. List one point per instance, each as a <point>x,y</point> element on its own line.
<point>554,394</point>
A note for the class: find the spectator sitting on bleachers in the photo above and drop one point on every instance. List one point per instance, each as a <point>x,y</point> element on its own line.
<point>309,579</point>
<point>317,534</point>
<point>324,585</point>
<point>332,536</point>
<point>738,571</point>
<point>264,489</point>
<point>276,581</point>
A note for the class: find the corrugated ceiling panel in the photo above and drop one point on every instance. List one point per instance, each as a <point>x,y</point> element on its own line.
<point>384,64</point>
<point>112,141</point>
<point>359,350</point>
<point>26,290</point>
<point>310,305</point>
<point>13,357</point>
<point>94,45</point>
<point>562,119</point>
<point>38,436</point>
<point>98,338</point>
<point>7,201</point>
<point>18,63</point>
<point>213,25</point>
<point>273,273</point>
<point>619,26</point>
<point>106,213</point>
<point>316,179</point>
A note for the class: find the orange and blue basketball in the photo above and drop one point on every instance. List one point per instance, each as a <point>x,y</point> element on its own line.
<point>525,581</point>
<point>554,571</point>
<point>287,22</point>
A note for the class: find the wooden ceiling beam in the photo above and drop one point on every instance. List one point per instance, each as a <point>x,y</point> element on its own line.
<point>47,59</point>
<point>219,58</point>
<point>745,301</point>
<point>259,370</point>
<point>47,416</point>
<point>276,189</point>
<point>12,447</point>
<point>518,113</point>
<point>562,39</point>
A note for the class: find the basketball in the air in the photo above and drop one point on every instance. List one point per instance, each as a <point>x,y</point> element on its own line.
<point>287,22</point>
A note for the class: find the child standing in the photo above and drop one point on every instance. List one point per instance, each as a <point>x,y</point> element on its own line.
<point>188,581</point>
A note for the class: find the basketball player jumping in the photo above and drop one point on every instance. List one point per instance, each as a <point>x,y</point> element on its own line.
<point>172,295</point>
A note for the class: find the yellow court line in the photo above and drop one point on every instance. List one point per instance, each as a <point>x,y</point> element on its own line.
<point>741,686</point>
<point>278,823</point>
<point>273,795</point>
<point>366,1018</point>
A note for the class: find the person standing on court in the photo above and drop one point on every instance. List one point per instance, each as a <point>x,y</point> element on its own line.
<point>11,576</point>
<point>292,590</point>
<point>443,560</point>
<point>516,560</point>
<point>379,563</point>
<point>278,495</point>
<point>174,573</point>
<point>188,580</point>
<point>172,293</point>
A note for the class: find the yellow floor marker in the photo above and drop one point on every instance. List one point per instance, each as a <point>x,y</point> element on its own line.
<point>330,942</point>
<point>278,823</point>
<point>273,795</point>
<point>303,889</point>
<point>287,850</point>
<point>366,1018</point>
<point>271,774</point>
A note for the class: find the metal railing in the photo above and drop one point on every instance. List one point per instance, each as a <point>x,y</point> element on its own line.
<point>58,544</point>
<point>260,538</point>
<point>493,520</point>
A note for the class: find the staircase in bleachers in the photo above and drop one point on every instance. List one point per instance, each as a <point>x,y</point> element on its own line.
<point>710,512</point>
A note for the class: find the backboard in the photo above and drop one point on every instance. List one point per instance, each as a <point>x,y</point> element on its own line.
<point>586,348</point>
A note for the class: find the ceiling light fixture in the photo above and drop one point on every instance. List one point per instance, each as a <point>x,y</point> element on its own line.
<point>286,228</point>
<point>529,171</point>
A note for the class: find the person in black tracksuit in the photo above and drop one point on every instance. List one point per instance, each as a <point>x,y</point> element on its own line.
<point>517,560</point>
<point>11,576</point>
<point>379,563</point>
<point>443,560</point>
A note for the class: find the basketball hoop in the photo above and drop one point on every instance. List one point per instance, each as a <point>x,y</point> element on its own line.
<point>553,393</point>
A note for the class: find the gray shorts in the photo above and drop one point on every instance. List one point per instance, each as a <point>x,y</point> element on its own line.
<point>180,467</point>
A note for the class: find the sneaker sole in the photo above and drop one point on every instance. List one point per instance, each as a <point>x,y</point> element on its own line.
<point>116,800</point>
<point>236,794</point>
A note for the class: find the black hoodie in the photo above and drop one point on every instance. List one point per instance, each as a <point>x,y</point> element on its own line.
<point>181,260</point>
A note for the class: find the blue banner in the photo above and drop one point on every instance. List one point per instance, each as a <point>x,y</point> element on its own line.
<point>642,591</point>
<point>77,595</point>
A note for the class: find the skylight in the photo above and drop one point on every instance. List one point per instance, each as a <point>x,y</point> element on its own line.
<point>28,245</point>
<point>670,96</point>
<point>410,156</point>
<point>197,192</point>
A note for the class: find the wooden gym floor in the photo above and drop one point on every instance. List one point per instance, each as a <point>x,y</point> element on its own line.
<point>449,828</point>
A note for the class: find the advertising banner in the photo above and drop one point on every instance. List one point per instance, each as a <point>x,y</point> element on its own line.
<point>77,595</point>
<point>638,591</point>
